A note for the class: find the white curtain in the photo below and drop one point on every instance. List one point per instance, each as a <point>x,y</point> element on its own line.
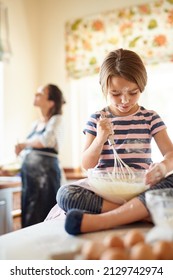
<point>5,49</point>
<point>1,112</point>
<point>85,99</point>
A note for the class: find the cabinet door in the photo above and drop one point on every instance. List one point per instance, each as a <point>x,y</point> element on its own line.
<point>2,216</point>
<point>16,212</point>
<point>5,211</point>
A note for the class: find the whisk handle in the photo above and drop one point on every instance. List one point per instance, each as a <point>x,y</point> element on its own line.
<point>111,140</point>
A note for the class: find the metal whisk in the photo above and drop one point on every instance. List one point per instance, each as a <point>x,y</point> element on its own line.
<point>121,170</point>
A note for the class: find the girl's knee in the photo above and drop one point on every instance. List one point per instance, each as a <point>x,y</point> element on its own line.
<point>62,194</point>
<point>67,196</point>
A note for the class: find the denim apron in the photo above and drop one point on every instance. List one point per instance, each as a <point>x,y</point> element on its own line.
<point>41,176</point>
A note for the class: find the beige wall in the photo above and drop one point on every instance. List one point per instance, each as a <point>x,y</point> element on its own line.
<point>20,76</point>
<point>38,57</point>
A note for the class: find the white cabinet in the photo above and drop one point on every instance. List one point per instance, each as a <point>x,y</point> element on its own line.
<point>5,211</point>
<point>9,194</point>
<point>2,215</point>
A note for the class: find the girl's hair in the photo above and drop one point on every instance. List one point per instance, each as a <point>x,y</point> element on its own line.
<point>123,63</point>
<point>56,95</point>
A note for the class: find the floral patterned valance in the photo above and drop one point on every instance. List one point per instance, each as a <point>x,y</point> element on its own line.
<point>146,29</point>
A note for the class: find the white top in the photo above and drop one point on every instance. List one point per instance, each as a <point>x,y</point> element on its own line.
<point>52,136</point>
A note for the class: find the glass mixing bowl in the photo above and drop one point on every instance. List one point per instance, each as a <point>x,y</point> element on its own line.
<point>105,183</point>
<point>160,205</point>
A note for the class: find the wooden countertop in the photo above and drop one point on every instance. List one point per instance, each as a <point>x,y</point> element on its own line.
<point>74,173</point>
<point>14,181</point>
<point>9,182</point>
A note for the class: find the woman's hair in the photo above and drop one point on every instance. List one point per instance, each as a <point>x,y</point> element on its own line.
<point>123,63</point>
<point>56,95</point>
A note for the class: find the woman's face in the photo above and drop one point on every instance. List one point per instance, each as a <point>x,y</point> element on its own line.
<point>41,98</point>
<point>123,96</point>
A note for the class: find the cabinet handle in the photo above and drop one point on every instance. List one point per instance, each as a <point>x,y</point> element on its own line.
<point>2,202</point>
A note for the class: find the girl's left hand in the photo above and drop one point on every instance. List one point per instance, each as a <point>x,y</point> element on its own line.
<point>155,173</point>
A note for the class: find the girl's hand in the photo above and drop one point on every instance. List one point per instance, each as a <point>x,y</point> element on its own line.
<point>104,129</point>
<point>155,173</point>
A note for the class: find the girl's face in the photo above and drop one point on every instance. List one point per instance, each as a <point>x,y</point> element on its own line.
<point>123,96</point>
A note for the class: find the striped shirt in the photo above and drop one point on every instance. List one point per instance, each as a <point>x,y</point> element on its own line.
<point>132,137</point>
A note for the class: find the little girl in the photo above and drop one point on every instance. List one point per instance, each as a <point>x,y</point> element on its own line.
<point>123,78</point>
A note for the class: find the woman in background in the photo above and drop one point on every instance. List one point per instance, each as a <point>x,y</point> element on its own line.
<point>40,171</point>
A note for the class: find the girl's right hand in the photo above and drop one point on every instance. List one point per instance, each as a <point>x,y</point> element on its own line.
<point>104,129</point>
